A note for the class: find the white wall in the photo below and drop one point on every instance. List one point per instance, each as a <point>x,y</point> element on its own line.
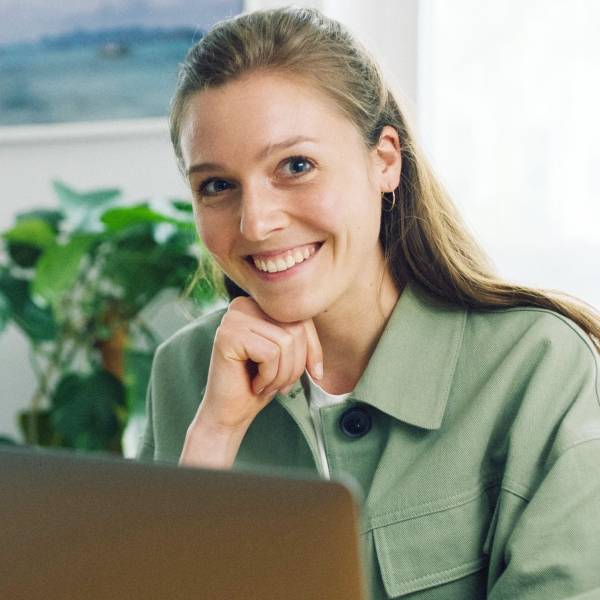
<point>133,155</point>
<point>137,157</point>
<point>387,27</point>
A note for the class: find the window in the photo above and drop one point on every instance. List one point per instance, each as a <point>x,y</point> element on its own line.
<point>508,112</point>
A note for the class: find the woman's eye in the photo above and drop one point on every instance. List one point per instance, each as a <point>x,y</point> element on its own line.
<point>297,165</point>
<point>212,187</point>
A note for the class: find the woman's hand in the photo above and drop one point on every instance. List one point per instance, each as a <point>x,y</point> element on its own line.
<point>252,358</point>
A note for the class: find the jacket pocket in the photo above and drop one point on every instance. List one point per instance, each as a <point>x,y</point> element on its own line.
<point>433,544</point>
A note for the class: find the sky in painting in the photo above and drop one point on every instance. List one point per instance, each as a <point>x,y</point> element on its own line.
<point>29,20</point>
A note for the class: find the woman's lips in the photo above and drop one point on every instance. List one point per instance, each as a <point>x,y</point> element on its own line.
<point>272,254</point>
<point>277,262</point>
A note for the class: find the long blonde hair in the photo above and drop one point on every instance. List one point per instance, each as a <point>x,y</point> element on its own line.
<point>423,236</point>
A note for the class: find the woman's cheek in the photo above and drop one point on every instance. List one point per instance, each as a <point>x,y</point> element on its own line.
<point>208,229</point>
<point>323,209</point>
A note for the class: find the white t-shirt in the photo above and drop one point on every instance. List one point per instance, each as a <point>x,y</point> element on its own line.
<point>317,398</point>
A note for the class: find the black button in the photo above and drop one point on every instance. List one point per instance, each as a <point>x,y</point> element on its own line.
<point>355,422</point>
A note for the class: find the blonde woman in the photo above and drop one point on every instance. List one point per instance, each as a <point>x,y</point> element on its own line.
<point>367,333</point>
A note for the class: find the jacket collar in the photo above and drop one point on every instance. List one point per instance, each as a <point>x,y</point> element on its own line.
<point>410,372</point>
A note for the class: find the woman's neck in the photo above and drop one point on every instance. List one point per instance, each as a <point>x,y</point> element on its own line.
<point>349,334</point>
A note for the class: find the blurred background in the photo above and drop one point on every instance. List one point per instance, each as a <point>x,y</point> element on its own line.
<point>98,248</point>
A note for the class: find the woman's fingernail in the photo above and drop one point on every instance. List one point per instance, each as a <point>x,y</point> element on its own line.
<point>259,392</point>
<point>318,370</point>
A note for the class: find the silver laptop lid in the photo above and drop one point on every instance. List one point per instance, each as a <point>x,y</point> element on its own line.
<point>94,527</point>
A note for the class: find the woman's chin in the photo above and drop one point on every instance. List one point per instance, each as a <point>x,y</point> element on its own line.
<point>288,312</point>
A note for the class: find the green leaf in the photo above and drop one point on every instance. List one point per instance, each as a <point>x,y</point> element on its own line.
<point>8,441</point>
<point>85,408</point>
<point>68,197</point>
<point>27,239</point>
<point>5,312</point>
<point>36,322</point>
<point>201,291</point>
<point>52,217</point>
<point>33,232</point>
<point>116,219</point>
<point>140,237</point>
<point>58,268</point>
<point>138,365</point>
<point>45,435</point>
<point>143,274</point>
<point>82,210</point>
<point>24,255</point>
<point>183,206</point>
<point>183,240</point>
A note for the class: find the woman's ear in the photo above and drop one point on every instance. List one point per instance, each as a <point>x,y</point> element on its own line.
<point>387,158</point>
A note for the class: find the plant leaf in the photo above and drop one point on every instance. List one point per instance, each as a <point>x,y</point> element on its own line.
<point>24,255</point>
<point>68,197</point>
<point>36,322</point>
<point>33,232</point>
<point>143,274</point>
<point>83,209</point>
<point>8,441</point>
<point>50,216</point>
<point>84,409</point>
<point>119,218</point>
<point>58,268</point>
<point>182,205</point>
<point>5,312</point>
<point>138,365</point>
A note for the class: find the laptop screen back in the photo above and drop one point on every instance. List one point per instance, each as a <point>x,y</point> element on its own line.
<point>89,526</point>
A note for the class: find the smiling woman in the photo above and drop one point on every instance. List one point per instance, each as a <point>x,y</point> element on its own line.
<point>273,184</point>
<point>367,334</point>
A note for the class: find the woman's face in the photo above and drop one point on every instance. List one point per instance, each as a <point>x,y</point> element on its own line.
<point>287,197</point>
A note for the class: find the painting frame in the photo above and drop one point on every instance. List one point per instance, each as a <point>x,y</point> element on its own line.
<point>80,69</point>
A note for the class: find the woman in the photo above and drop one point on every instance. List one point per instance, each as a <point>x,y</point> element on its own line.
<point>367,333</point>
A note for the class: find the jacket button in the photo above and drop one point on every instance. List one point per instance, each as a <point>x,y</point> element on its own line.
<point>355,422</point>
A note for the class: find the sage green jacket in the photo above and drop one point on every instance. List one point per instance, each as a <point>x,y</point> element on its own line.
<point>480,474</point>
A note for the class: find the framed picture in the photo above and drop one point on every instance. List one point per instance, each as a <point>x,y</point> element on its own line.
<point>96,60</point>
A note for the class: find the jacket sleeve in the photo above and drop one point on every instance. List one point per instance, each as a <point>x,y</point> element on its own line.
<point>546,538</point>
<point>145,449</point>
<point>553,551</point>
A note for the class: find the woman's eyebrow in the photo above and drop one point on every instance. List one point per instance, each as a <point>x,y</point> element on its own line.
<point>268,149</point>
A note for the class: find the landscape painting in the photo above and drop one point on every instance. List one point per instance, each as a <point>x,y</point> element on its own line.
<point>96,59</point>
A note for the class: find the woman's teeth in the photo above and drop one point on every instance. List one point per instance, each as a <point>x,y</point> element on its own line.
<point>284,261</point>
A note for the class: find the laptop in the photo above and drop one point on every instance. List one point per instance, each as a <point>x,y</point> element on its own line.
<point>93,526</point>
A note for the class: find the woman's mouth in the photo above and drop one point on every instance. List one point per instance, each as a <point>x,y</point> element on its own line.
<point>275,262</point>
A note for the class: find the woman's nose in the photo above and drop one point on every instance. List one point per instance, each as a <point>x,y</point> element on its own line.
<point>262,214</point>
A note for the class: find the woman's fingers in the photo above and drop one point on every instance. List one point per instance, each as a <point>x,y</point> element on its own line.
<point>285,360</point>
<point>296,330</point>
<point>253,357</point>
<point>265,354</point>
<point>239,345</point>
<point>300,349</point>
<point>314,358</point>
<point>297,344</point>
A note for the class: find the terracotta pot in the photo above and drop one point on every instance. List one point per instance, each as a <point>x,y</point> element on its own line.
<point>112,351</point>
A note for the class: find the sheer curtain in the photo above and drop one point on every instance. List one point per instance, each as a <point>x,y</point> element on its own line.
<point>509,114</point>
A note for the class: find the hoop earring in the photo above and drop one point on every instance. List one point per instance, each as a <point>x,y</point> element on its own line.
<point>391,207</point>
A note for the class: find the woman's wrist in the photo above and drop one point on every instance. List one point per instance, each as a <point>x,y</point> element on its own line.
<point>210,445</point>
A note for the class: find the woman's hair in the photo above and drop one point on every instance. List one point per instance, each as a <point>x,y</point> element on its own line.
<point>424,238</point>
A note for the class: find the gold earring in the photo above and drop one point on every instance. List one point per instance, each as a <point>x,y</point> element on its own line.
<point>391,208</point>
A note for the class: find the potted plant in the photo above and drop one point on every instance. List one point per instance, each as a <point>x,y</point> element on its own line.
<point>75,280</point>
